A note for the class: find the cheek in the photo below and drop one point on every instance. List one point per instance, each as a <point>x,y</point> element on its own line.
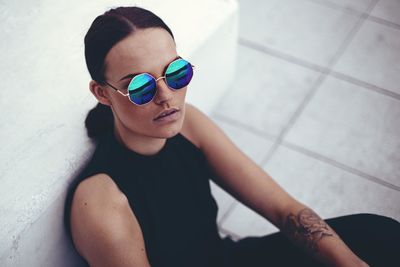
<point>127,112</point>
<point>136,115</point>
<point>182,93</point>
<point>123,106</point>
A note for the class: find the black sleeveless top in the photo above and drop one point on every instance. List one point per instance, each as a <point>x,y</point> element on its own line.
<point>169,193</point>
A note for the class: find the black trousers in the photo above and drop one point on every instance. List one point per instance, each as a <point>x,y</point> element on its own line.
<point>373,238</point>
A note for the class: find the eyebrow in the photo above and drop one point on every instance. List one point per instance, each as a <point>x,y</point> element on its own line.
<point>131,75</point>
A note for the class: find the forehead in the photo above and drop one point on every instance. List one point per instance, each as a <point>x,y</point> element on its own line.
<point>148,50</point>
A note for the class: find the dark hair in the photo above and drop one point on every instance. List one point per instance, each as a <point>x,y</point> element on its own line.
<point>105,31</point>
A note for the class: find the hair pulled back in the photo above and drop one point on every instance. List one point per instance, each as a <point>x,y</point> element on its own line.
<point>106,31</point>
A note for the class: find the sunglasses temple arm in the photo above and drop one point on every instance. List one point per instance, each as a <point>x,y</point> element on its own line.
<point>116,89</point>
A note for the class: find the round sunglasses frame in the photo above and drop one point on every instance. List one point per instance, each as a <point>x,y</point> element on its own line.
<point>156,80</point>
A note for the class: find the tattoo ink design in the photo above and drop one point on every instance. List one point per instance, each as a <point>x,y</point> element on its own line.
<point>307,229</point>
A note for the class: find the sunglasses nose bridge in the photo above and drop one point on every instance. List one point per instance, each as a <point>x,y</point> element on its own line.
<point>159,78</point>
<point>163,93</point>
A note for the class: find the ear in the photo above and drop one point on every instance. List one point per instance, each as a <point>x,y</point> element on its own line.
<point>99,91</point>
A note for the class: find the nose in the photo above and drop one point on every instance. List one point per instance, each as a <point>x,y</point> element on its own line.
<point>163,94</point>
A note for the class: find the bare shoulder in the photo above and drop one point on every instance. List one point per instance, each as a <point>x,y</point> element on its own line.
<point>103,225</point>
<point>196,124</point>
<point>94,193</point>
<point>94,187</point>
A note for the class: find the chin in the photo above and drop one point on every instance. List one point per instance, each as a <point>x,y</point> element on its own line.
<point>172,131</point>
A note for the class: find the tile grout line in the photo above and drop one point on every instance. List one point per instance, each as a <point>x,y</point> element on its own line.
<point>228,212</point>
<point>365,85</point>
<point>384,22</point>
<point>364,16</point>
<point>241,125</point>
<point>350,36</point>
<point>332,5</point>
<point>359,13</point>
<point>298,111</point>
<point>340,165</point>
<point>293,119</point>
<point>313,155</point>
<point>300,62</point>
<point>289,58</point>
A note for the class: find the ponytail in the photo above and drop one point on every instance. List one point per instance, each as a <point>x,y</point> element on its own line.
<point>99,120</point>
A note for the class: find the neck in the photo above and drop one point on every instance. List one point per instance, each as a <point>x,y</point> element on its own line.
<point>141,144</point>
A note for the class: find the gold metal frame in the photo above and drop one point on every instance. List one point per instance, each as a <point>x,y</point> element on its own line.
<point>159,78</point>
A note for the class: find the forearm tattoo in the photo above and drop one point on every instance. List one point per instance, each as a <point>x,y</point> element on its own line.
<point>306,229</point>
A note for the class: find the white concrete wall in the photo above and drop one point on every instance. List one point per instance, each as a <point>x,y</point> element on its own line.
<point>45,97</point>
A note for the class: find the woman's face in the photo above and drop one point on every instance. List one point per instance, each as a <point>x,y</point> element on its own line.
<point>149,50</point>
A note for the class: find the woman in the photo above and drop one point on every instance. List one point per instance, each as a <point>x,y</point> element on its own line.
<point>144,198</point>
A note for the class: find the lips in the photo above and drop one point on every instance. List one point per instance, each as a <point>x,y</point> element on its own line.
<point>166,112</point>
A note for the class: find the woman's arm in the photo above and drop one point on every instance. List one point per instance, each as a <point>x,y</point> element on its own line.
<point>308,231</point>
<point>250,184</point>
<point>104,229</point>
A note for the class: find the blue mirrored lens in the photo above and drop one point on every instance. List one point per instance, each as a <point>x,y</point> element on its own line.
<point>142,89</point>
<point>179,74</point>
